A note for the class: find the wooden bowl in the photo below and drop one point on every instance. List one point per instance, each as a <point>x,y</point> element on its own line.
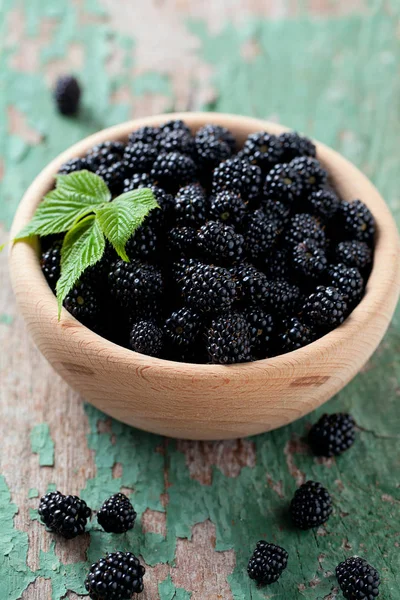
<point>207,401</point>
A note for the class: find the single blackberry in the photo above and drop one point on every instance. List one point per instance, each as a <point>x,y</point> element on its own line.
<point>228,207</point>
<point>252,284</point>
<point>65,515</point>
<point>134,284</point>
<point>145,135</point>
<point>182,328</point>
<point>214,144</point>
<point>104,155</point>
<point>147,338</point>
<point>325,308</point>
<point>349,282</point>
<point>173,170</point>
<point>262,330</point>
<point>117,514</point>
<point>295,335</point>
<point>73,165</point>
<point>261,234</point>
<point>311,173</point>
<point>309,260</point>
<point>332,434</point>
<point>114,176</point>
<point>117,576</point>
<point>311,505</point>
<point>181,241</point>
<point>67,95</point>
<point>262,149</point>
<point>281,297</point>
<point>294,145</point>
<point>208,288</point>
<point>358,580</point>
<point>191,206</point>
<point>228,339</point>
<point>283,183</point>
<point>236,175</point>
<point>136,181</point>
<point>174,126</point>
<point>267,563</point>
<point>274,209</point>
<point>178,141</point>
<point>323,204</point>
<point>83,303</point>
<point>276,265</point>
<point>220,242</point>
<point>304,226</point>
<point>354,254</point>
<point>143,243</point>
<point>357,221</point>
<point>139,157</point>
<point>50,263</point>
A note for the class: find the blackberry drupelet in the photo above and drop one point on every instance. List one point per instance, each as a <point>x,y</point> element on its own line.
<point>84,304</point>
<point>214,144</point>
<point>311,505</point>
<point>274,209</point>
<point>136,181</point>
<point>228,207</point>
<point>295,335</point>
<point>236,175</point>
<point>146,135</point>
<point>267,563</point>
<point>262,149</point>
<point>134,284</point>
<point>117,514</point>
<point>309,260</point>
<point>67,94</point>
<point>323,204</point>
<point>182,328</point>
<point>191,206</point>
<point>208,288</point>
<point>117,576</point>
<point>104,155</point>
<point>283,183</point>
<point>252,283</point>
<point>65,515</point>
<point>304,226</point>
<point>354,254</point>
<point>182,241</point>
<point>262,330</point>
<point>178,141</point>
<point>312,175</point>
<point>332,434</point>
<point>281,297</point>
<point>261,234</point>
<point>357,221</point>
<point>325,308</point>
<point>139,158</point>
<point>294,145</point>
<point>358,580</point>
<point>173,170</point>
<point>349,282</point>
<point>228,339</point>
<point>73,165</point>
<point>220,242</point>
<point>147,338</point>
<point>143,243</point>
<point>50,263</point>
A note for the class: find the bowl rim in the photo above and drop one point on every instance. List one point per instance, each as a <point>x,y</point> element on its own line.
<point>382,288</point>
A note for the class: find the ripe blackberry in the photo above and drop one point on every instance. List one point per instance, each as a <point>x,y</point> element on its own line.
<point>267,563</point>
<point>67,94</point>
<point>75,164</point>
<point>312,175</point>
<point>182,328</point>
<point>114,176</point>
<point>173,170</point>
<point>349,282</point>
<point>146,135</point>
<point>117,576</point>
<point>261,234</point>
<point>358,580</point>
<point>281,297</point>
<point>325,308</point>
<point>208,288</point>
<point>178,141</point>
<point>161,218</point>
<point>295,335</point>
<point>147,338</point>
<point>293,145</point>
<point>214,144</point>
<point>262,329</point>
<point>136,181</point>
<point>228,339</point>
<point>117,514</point>
<point>181,241</point>
<point>143,243</point>
<point>309,260</point>
<point>220,242</point>
<point>354,254</point>
<point>357,221</point>
<point>304,227</point>
<point>332,434</point>
<point>283,183</point>
<point>323,204</point>
<point>236,175</point>
<point>276,265</point>
<point>50,263</point>
<point>134,284</point>
<point>174,126</point>
<point>262,149</point>
<point>65,515</point>
<point>139,157</point>
<point>83,303</point>
<point>274,209</point>
<point>228,207</point>
<point>252,284</point>
<point>311,505</point>
<point>104,155</point>
<point>191,206</point>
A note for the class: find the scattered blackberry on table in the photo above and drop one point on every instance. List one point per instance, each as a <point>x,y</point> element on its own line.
<point>357,579</point>
<point>73,165</point>
<point>260,234</point>
<point>136,181</point>
<point>139,157</point>
<point>262,149</point>
<point>304,227</point>
<point>228,339</point>
<point>143,243</point>
<point>50,263</point>
<point>178,141</point>
<point>295,335</point>
<point>182,328</point>
<point>311,173</point>
<point>267,563</point>
<point>311,505</point>
<point>236,175</point>
<point>262,330</point>
<point>221,242</point>
<point>354,254</point>
<point>147,338</point>
<point>191,206</point>
<point>325,308</point>
<point>134,284</point>
<point>294,145</point>
<point>117,514</point>
<point>228,207</point>
<point>349,282</point>
<point>323,204</point>
<point>146,135</point>
<point>332,434</point>
<point>65,515</point>
<point>357,221</point>
<point>67,94</point>
<point>182,241</point>
<point>309,260</point>
<point>214,144</point>
<point>104,155</point>
<point>117,576</point>
<point>173,170</point>
<point>114,176</point>
<point>83,303</point>
<point>208,288</point>
<point>283,183</point>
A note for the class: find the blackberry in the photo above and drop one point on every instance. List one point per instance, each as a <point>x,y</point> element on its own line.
<point>161,218</point>
<point>134,284</point>
<point>325,308</point>
<point>136,181</point>
<point>304,226</point>
<point>139,157</point>
<point>354,254</point>
<point>283,183</point>
<point>332,434</point>
<point>358,580</point>
<point>75,164</point>
<point>174,126</point>
<point>145,135</point>
<point>262,149</point>
<point>228,339</point>
<point>309,260</point>
<point>349,282</point>
<point>262,329</point>
<point>214,144</point>
<point>147,338</point>
<point>293,145</point>
<point>178,141</point>
<point>253,284</point>
<point>67,94</point>
<point>143,243</point>
<point>274,209</point>
<point>191,206</point>
<point>50,263</point>
<point>220,242</point>
<point>65,515</point>
<point>323,203</point>
<point>357,221</point>
<point>208,288</point>
<point>117,514</point>
<point>295,335</point>
<point>114,176</point>
<point>236,175</point>
<point>104,155</point>
<point>281,297</point>
<point>117,576</point>
<point>277,265</point>
<point>228,207</point>
<point>312,175</point>
<point>267,563</point>
<point>173,170</point>
<point>311,505</point>
<point>261,234</point>
<point>83,303</point>
<point>182,328</point>
<point>181,241</point>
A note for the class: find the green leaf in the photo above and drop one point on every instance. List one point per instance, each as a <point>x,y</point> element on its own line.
<point>120,219</point>
<point>90,188</point>
<point>83,246</point>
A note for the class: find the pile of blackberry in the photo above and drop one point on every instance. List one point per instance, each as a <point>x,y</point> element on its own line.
<point>251,254</point>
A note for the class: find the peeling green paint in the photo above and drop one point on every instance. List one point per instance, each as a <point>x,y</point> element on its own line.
<point>6,319</point>
<point>168,591</point>
<point>33,493</point>
<point>42,444</point>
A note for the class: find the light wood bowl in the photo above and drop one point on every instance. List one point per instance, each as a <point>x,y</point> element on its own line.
<point>207,401</point>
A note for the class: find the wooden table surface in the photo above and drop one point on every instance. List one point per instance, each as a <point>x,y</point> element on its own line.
<point>328,68</point>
